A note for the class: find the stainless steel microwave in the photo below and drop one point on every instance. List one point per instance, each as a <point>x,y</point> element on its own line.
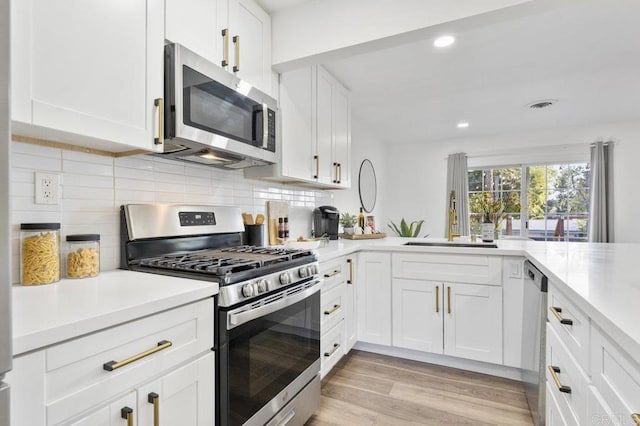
<point>212,117</point>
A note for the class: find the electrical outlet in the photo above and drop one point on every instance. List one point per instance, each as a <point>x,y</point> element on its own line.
<point>47,188</point>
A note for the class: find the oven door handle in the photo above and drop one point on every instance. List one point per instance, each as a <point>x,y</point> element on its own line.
<point>235,320</point>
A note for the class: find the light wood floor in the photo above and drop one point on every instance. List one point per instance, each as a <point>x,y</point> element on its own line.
<point>371,389</point>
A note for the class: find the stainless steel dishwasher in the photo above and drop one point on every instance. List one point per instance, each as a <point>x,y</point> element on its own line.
<point>534,319</point>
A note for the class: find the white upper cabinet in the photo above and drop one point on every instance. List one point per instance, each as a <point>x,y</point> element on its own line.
<point>88,72</point>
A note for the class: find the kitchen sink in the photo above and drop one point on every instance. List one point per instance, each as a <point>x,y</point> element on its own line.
<point>435,244</point>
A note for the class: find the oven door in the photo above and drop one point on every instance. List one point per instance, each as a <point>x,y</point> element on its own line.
<point>267,354</point>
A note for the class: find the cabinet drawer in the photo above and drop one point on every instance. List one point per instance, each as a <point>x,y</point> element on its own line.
<point>459,268</point>
<point>333,272</point>
<point>76,380</point>
<point>574,328</point>
<point>570,377</point>
<point>616,377</point>
<point>331,348</point>
<point>332,307</point>
<point>554,413</point>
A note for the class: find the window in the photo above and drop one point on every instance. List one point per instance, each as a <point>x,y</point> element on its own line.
<point>551,200</point>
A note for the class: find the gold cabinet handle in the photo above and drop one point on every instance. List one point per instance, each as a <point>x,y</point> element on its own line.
<point>332,274</point>
<point>437,299</point>
<point>556,312</point>
<point>332,310</point>
<point>332,351</point>
<point>127,414</point>
<point>448,299</point>
<point>317,160</point>
<point>159,103</point>
<point>350,280</point>
<point>636,418</point>
<point>236,41</point>
<point>339,172</point>
<point>114,365</point>
<point>154,398</point>
<point>225,48</point>
<point>335,172</point>
<point>554,373</point>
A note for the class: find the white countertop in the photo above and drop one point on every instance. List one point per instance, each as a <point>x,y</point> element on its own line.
<point>602,279</point>
<point>47,314</point>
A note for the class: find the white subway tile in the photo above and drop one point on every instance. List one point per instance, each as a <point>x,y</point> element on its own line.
<point>81,193</point>
<point>131,184</point>
<point>167,166</point>
<point>169,187</point>
<point>35,150</point>
<point>96,205</point>
<point>197,171</point>
<point>169,197</point>
<point>142,174</point>
<point>28,161</point>
<point>79,167</point>
<point>135,162</point>
<point>88,181</point>
<point>124,196</point>
<point>27,203</point>
<point>85,157</point>
<point>22,175</point>
<point>196,180</point>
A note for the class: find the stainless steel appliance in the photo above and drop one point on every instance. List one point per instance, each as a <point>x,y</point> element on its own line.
<point>267,339</point>
<point>212,117</point>
<point>325,221</point>
<point>5,214</point>
<point>534,320</point>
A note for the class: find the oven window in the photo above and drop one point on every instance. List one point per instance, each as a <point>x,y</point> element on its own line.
<point>268,353</point>
<point>211,106</point>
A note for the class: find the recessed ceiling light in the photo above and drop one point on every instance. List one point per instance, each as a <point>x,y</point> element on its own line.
<point>444,41</point>
<point>463,125</point>
<point>544,103</point>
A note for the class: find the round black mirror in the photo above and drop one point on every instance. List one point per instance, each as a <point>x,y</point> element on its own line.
<point>367,186</point>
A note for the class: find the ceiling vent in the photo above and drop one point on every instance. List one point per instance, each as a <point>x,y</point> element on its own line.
<point>546,103</point>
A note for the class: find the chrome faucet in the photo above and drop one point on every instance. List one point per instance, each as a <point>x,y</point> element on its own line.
<point>453,216</point>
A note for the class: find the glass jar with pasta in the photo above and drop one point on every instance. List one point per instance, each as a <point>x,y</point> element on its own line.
<point>39,253</point>
<point>83,255</point>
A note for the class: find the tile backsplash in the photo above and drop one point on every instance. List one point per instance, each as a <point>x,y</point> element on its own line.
<point>93,187</point>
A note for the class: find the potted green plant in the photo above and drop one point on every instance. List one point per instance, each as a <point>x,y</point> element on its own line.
<point>411,230</point>
<point>347,220</point>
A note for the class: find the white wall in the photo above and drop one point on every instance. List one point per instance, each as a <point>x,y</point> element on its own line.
<point>94,187</point>
<point>415,187</point>
<point>364,145</point>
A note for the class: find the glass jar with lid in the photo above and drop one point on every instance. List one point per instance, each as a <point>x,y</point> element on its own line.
<point>83,255</point>
<point>39,253</point>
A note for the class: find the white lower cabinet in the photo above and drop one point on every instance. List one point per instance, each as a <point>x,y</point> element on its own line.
<point>350,315</point>
<point>113,414</point>
<point>333,312</point>
<point>417,315</point>
<point>374,298</point>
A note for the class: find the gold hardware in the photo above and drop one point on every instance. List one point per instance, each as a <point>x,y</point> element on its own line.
<point>113,365</point>
<point>317,160</point>
<point>332,310</point>
<point>554,374</point>
<point>335,172</point>
<point>225,47</point>
<point>453,217</point>
<point>449,299</point>
<point>556,312</point>
<point>339,172</point>
<point>332,274</point>
<point>335,348</point>
<point>154,398</point>
<point>159,102</point>
<point>236,41</point>
<point>350,280</point>
<point>437,299</point>
<point>636,418</point>
<point>127,414</point>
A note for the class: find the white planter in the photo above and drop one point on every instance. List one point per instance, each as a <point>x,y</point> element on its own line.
<point>348,231</point>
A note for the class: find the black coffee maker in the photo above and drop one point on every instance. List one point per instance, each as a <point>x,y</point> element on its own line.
<point>325,221</point>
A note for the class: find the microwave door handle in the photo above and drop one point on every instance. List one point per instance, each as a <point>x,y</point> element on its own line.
<point>265,126</point>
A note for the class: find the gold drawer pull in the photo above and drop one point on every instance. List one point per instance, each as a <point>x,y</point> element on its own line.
<point>350,280</point>
<point>554,373</point>
<point>333,351</point>
<point>127,414</point>
<point>437,299</point>
<point>225,47</point>
<point>636,418</point>
<point>332,310</point>
<point>316,158</point>
<point>448,300</point>
<point>159,103</point>
<point>332,274</point>
<point>114,365</point>
<point>154,398</point>
<point>556,312</point>
<point>236,41</point>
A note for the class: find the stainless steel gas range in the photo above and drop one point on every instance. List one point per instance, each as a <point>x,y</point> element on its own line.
<point>267,339</point>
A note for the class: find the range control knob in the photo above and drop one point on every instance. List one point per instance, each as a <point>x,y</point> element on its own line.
<point>313,269</point>
<point>248,290</point>
<point>285,278</point>
<point>262,285</point>
<point>303,272</point>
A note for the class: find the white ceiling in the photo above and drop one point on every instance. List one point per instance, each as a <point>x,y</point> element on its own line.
<point>272,6</point>
<point>586,55</point>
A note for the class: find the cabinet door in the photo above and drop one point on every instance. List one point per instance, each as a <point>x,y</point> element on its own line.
<point>250,28</point>
<point>342,135</point>
<point>473,322</point>
<point>184,397</point>
<point>417,315</point>
<point>374,298</point>
<point>197,25</point>
<point>112,414</point>
<point>350,301</point>
<point>89,68</point>
<point>297,112</point>
<point>324,130</point>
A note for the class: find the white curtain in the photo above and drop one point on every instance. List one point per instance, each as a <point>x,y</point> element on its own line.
<point>601,194</point>
<point>458,181</point>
